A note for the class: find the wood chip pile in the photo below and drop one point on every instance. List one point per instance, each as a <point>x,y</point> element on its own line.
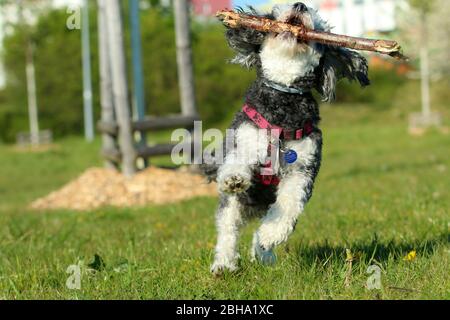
<point>99,187</point>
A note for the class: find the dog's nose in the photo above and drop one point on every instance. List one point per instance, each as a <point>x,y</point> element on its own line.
<point>300,7</point>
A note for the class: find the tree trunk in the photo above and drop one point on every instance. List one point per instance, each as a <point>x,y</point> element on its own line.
<point>87,78</point>
<point>184,58</point>
<point>32,99</point>
<point>120,86</point>
<point>106,93</point>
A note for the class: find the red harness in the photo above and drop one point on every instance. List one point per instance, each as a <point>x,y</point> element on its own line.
<point>276,133</point>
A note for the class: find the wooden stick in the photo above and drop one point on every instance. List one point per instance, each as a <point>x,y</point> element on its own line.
<point>235,20</point>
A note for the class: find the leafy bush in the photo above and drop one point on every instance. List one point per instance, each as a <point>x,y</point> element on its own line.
<point>384,85</point>
<point>58,76</point>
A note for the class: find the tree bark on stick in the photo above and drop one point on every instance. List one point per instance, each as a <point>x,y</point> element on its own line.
<point>236,20</point>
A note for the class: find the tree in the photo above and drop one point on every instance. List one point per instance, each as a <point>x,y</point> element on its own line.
<point>424,8</point>
<point>57,57</point>
<point>433,15</point>
<point>26,19</point>
<point>425,28</point>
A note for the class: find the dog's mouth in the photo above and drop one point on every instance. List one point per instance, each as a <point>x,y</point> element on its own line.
<point>301,19</point>
<point>298,19</point>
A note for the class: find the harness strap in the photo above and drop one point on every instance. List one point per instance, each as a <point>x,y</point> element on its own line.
<point>262,123</point>
<point>268,178</point>
<point>258,119</point>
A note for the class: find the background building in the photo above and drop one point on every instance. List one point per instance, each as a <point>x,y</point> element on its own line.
<point>358,17</point>
<point>351,17</point>
<point>210,7</point>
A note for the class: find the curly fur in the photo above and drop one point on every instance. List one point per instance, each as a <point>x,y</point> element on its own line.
<point>291,63</point>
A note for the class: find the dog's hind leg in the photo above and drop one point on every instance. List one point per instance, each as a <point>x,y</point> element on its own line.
<point>228,221</point>
<point>293,193</point>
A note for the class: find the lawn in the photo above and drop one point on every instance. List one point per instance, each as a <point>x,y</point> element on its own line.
<point>381,194</point>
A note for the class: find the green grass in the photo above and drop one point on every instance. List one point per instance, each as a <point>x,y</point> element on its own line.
<point>381,193</point>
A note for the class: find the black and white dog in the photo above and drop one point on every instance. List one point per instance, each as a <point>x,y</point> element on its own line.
<point>279,101</point>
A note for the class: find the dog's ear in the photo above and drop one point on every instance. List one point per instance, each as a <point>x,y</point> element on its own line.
<point>338,63</point>
<point>246,42</point>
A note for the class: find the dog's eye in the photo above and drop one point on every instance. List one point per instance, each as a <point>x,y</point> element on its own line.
<point>300,7</point>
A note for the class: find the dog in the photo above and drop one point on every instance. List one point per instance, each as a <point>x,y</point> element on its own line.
<point>279,103</point>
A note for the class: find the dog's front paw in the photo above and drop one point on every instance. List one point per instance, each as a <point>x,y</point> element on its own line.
<point>274,232</point>
<point>235,183</point>
<point>219,268</point>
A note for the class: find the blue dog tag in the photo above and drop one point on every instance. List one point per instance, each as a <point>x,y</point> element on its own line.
<point>290,156</point>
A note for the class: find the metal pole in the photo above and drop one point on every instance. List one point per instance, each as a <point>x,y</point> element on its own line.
<point>87,81</point>
<point>32,99</point>
<point>138,76</point>
<point>136,47</point>
<point>106,93</point>
<point>424,69</point>
<point>31,83</point>
<point>184,58</point>
<point>120,86</point>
